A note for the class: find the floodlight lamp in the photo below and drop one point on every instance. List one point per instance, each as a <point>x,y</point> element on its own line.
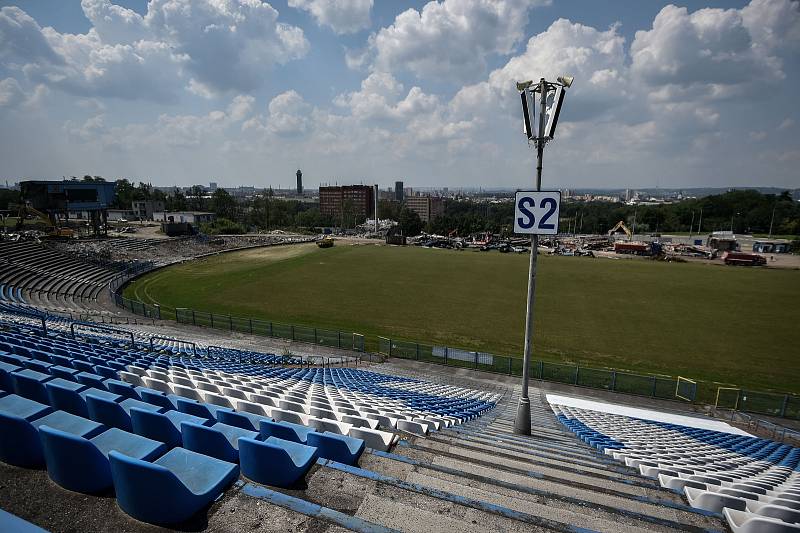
<point>522,85</point>
<point>566,81</point>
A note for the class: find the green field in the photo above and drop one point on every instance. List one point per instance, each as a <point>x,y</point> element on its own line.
<point>707,322</point>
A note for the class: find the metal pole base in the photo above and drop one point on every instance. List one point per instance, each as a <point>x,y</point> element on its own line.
<point>522,424</point>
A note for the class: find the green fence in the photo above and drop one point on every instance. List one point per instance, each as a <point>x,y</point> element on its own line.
<point>662,387</point>
<point>323,337</point>
<point>653,386</point>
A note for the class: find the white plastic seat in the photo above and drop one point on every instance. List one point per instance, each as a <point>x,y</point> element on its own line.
<point>713,501</point>
<point>770,510</point>
<point>746,522</point>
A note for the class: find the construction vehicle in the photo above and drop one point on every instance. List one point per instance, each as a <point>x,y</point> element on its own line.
<point>53,230</point>
<point>744,259</point>
<point>325,242</point>
<point>620,226</point>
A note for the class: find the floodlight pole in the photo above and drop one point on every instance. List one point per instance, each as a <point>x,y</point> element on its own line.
<point>522,423</point>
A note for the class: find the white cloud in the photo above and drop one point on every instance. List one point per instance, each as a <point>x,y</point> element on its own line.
<point>714,53</point>
<point>786,124</point>
<point>450,39</point>
<point>288,114</point>
<point>342,16</point>
<point>11,94</point>
<point>204,46</point>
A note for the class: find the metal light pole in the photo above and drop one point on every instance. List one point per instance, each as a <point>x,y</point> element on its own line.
<point>522,423</point>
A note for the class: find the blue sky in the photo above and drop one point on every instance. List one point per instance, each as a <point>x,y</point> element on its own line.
<point>245,92</point>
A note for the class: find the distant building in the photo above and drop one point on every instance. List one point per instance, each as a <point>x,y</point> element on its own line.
<point>192,217</point>
<point>144,209</point>
<point>360,198</point>
<point>398,191</point>
<point>427,207</point>
<point>299,175</point>
<point>212,186</point>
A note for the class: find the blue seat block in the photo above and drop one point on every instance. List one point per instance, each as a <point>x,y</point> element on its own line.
<point>171,489</point>
<point>82,366</point>
<point>90,380</point>
<point>14,524</point>
<point>164,427</point>
<point>201,409</point>
<point>82,465</point>
<point>39,366</point>
<point>120,387</point>
<point>335,447</point>
<point>61,359</point>
<point>63,372</point>
<point>69,423</point>
<point>105,372</point>
<point>155,397</point>
<point>5,379</point>
<point>108,412</point>
<point>220,440</point>
<point>285,430</point>
<point>30,384</point>
<point>64,396</point>
<point>277,462</point>
<point>19,442</point>
<point>250,421</point>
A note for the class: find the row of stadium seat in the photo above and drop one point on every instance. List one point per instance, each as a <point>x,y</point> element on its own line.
<point>754,482</point>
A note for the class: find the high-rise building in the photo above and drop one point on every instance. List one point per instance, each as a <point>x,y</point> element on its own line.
<point>357,200</point>
<point>426,207</point>
<point>299,175</point>
<point>398,191</point>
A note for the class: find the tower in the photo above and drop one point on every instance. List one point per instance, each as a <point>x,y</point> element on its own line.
<point>299,175</point>
<point>398,191</point>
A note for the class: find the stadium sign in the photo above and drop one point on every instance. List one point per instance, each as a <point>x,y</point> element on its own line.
<point>536,212</point>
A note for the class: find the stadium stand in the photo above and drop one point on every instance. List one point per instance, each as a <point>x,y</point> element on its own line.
<point>49,279</point>
<point>185,435</point>
<point>755,482</point>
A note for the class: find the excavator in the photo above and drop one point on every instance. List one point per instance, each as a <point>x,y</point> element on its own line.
<point>620,225</point>
<point>53,230</point>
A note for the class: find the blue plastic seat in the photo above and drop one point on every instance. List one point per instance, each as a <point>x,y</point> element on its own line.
<point>64,396</point>
<point>249,421</point>
<point>83,366</point>
<point>38,365</point>
<point>164,427</point>
<point>277,462</point>
<point>337,447</point>
<point>156,398</point>
<point>76,425</point>
<point>220,440</point>
<point>30,384</point>
<point>120,387</point>
<point>201,409</point>
<point>172,488</point>
<point>19,440</point>
<point>63,372</point>
<point>285,430</point>
<point>106,372</point>
<point>90,380</point>
<point>111,412</point>
<point>82,465</point>
<point>5,379</point>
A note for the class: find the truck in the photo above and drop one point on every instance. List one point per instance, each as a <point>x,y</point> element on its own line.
<point>743,259</point>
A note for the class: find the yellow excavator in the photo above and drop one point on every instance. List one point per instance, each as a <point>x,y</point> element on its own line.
<point>53,231</point>
<point>620,226</point>
<point>325,242</point>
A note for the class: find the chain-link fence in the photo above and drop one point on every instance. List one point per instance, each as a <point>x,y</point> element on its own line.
<point>650,385</point>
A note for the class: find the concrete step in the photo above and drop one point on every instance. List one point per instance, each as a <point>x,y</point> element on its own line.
<point>395,503</point>
<point>654,502</point>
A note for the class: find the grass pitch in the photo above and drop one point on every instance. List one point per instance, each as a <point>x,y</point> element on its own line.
<point>708,322</point>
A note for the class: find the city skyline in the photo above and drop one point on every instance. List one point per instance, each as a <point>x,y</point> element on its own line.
<point>695,94</point>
